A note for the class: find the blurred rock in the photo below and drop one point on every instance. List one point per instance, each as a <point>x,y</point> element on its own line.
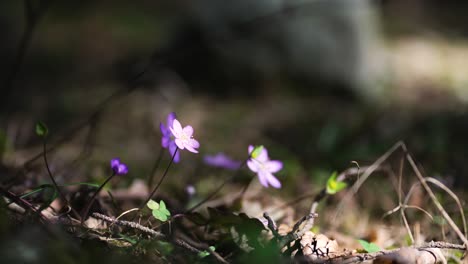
<point>322,45</point>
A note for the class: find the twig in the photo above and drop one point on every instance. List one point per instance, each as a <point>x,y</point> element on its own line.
<point>156,234</point>
<point>271,225</point>
<point>130,224</point>
<point>358,258</point>
<point>435,200</point>
<point>297,231</point>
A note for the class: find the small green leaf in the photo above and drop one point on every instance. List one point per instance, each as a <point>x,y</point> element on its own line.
<point>160,215</point>
<point>152,205</point>
<point>128,239</point>
<point>334,186</point>
<point>369,247</point>
<point>41,129</point>
<point>159,211</point>
<point>256,151</point>
<point>162,205</point>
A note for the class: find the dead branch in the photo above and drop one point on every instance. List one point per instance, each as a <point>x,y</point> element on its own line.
<point>156,234</point>
<point>358,258</point>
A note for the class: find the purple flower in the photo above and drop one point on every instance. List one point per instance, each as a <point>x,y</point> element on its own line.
<point>167,139</point>
<point>118,167</point>
<point>264,167</point>
<point>184,137</point>
<point>222,160</point>
<point>190,189</point>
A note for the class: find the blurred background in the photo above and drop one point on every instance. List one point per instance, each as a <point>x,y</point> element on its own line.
<point>320,83</point>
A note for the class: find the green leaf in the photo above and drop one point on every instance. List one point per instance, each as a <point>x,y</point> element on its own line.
<point>162,205</point>
<point>369,247</point>
<point>256,151</point>
<point>159,211</point>
<point>152,205</point>
<point>128,239</point>
<point>41,129</point>
<point>334,186</point>
<point>160,215</point>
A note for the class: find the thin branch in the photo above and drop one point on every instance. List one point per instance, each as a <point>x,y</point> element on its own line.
<point>156,234</point>
<point>359,258</point>
<point>434,199</point>
<point>129,224</point>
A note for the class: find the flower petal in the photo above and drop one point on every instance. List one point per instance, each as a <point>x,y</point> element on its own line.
<point>188,131</point>
<point>221,160</point>
<point>164,130</point>
<point>273,181</point>
<point>165,141</point>
<point>176,128</point>
<point>172,149</point>
<point>253,165</point>
<point>274,166</point>
<point>190,148</point>
<point>179,143</point>
<point>263,155</point>
<point>170,118</point>
<point>251,148</point>
<point>122,169</point>
<point>263,178</point>
<point>177,157</point>
<point>115,163</point>
<point>193,143</point>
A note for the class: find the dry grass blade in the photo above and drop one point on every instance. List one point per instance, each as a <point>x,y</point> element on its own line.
<point>366,173</point>
<point>435,200</point>
<point>454,196</point>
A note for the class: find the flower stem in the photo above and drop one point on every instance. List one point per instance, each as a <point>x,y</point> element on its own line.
<point>91,201</point>
<point>216,191</point>
<point>155,167</point>
<point>161,180</point>
<point>62,196</point>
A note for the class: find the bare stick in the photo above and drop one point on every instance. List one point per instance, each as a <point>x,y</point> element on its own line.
<point>435,200</point>
<point>129,224</point>
<point>359,258</point>
<point>155,234</point>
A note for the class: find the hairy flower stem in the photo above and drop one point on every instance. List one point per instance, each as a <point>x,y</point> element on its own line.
<point>209,197</point>
<point>62,196</point>
<point>155,168</point>
<point>161,180</point>
<point>91,201</point>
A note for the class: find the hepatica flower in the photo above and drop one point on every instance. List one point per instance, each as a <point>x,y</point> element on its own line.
<point>221,160</point>
<point>184,137</point>
<point>118,167</point>
<point>261,164</point>
<point>167,139</point>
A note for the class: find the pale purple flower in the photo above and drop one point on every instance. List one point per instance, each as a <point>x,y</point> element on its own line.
<point>118,167</point>
<point>264,167</point>
<point>184,137</point>
<point>190,189</point>
<point>167,139</point>
<point>221,160</point>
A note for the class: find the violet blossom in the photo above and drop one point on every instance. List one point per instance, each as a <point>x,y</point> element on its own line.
<point>221,160</point>
<point>118,167</point>
<point>264,167</point>
<point>184,137</point>
<point>167,139</point>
